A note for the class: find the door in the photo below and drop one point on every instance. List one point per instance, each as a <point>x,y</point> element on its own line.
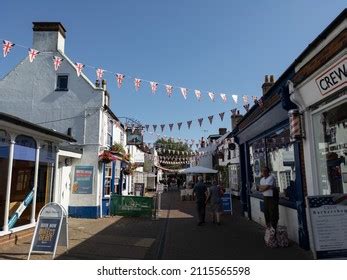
<point>65,186</point>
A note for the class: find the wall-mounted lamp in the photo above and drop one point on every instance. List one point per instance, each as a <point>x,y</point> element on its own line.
<point>295,125</point>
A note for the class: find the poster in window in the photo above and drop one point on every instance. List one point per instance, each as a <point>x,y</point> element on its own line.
<point>83,180</point>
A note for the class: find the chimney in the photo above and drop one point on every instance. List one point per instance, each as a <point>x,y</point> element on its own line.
<point>222,131</point>
<point>103,85</point>
<point>269,81</point>
<point>49,36</point>
<point>235,119</point>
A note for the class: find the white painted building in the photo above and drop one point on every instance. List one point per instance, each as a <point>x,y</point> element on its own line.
<point>69,104</point>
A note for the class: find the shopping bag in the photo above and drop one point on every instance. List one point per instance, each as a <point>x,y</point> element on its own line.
<point>270,238</point>
<point>282,236</point>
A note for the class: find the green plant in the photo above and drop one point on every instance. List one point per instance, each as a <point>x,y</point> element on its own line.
<point>118,148</point>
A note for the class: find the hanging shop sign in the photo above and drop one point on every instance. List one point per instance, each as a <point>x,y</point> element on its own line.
<point>83,180</point>
<point>329,225</point>
<point>134,137</point>
<point>51,230</point>
<point>334,78</point>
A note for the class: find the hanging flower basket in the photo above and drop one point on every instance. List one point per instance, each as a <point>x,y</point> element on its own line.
<point>126,157</point>
<point>106,157</point>
<point>127,171</point>
<point>118,149</point>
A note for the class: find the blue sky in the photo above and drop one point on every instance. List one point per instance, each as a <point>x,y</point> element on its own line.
<point>219,46</point>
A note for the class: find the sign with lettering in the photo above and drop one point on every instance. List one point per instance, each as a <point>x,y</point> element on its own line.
<point>227,205</point>
<point>51,230</point>
<point>334,78</point>
<point>83,181</point>
<point>329,225</point>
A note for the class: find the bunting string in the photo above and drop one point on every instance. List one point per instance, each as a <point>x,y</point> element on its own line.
<point>119,77</point>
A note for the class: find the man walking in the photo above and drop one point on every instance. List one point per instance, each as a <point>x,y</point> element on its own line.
<point>268,188</point>
<point>200,190</point>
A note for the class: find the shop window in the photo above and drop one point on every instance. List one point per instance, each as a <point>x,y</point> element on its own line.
<point>280,158</point>
<point>330,135</point>
<point>257,160</point>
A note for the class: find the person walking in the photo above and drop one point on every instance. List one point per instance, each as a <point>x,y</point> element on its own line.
<point>268,188</point>
<point>200,194</point>
<point>215,193</point>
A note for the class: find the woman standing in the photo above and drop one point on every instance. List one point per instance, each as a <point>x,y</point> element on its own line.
<point>215,193</point>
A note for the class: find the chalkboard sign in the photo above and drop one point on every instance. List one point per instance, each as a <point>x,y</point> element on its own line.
<point>51,230</point>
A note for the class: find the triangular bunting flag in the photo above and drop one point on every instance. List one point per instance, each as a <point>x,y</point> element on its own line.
<point>154,86</point>
<point>137,83</point>
<point>169,89</point>
<point>162,127</point>
<point>179,125</point>
<point>224,97</point>
<point>221,115</point>
<point>211,95</point>
<point>189,123</point>
<point>235,97</point>
<point>119,78</point>
<point>245,99</point>
<point>154,127</point>
<point>147,126</point>
<point>57,62</point>
<point>32,54</point>
<point>184,92</point>
<point>200,121</point>
<point>6,47</point>
<point>233,111</point>
<point>79,68</point>
<point>246,106</point>
<point>99,73</point>
<point>171,126</point>
<point>255,99</point>
<point>198,94</point>
<point>210,118</point>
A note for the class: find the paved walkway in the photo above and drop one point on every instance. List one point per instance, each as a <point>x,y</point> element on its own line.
<point>174,235</point>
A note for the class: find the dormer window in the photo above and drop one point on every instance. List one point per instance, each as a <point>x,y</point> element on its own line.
<point>62,83</point>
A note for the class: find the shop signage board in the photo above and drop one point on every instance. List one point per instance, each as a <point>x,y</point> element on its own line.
<point>227,203</point>
<point>328,215</point>
<point>83,180</point>
<point>334,78</point>
<point>131,206</point>
<point>139,189</point>
<point>51,230</point>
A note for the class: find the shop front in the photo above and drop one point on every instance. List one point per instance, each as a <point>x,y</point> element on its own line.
<point>263,136</point>
<point>319,88</point>
<point>28,157</point>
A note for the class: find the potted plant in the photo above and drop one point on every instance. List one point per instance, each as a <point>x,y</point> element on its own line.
<point>106,156</point>
<point>118,149</point>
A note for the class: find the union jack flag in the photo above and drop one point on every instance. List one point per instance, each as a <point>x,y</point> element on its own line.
<point>245,99</point>
<point>137,83</point>
<point>224,97</point>
<point>32,54</point>
<point>235,97</point>
<point>79,68</point>
<point>119,78</point>
<point>198,94</point>
<point>99,73</point>
<point>184,92</point>
<point>154,86</point>
<point>211,95</point>
<point>6,47</point>
<point>169,90</point>
<point>57,62</point>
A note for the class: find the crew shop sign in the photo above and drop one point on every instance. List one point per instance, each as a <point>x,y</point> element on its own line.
<point>334,78</point>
